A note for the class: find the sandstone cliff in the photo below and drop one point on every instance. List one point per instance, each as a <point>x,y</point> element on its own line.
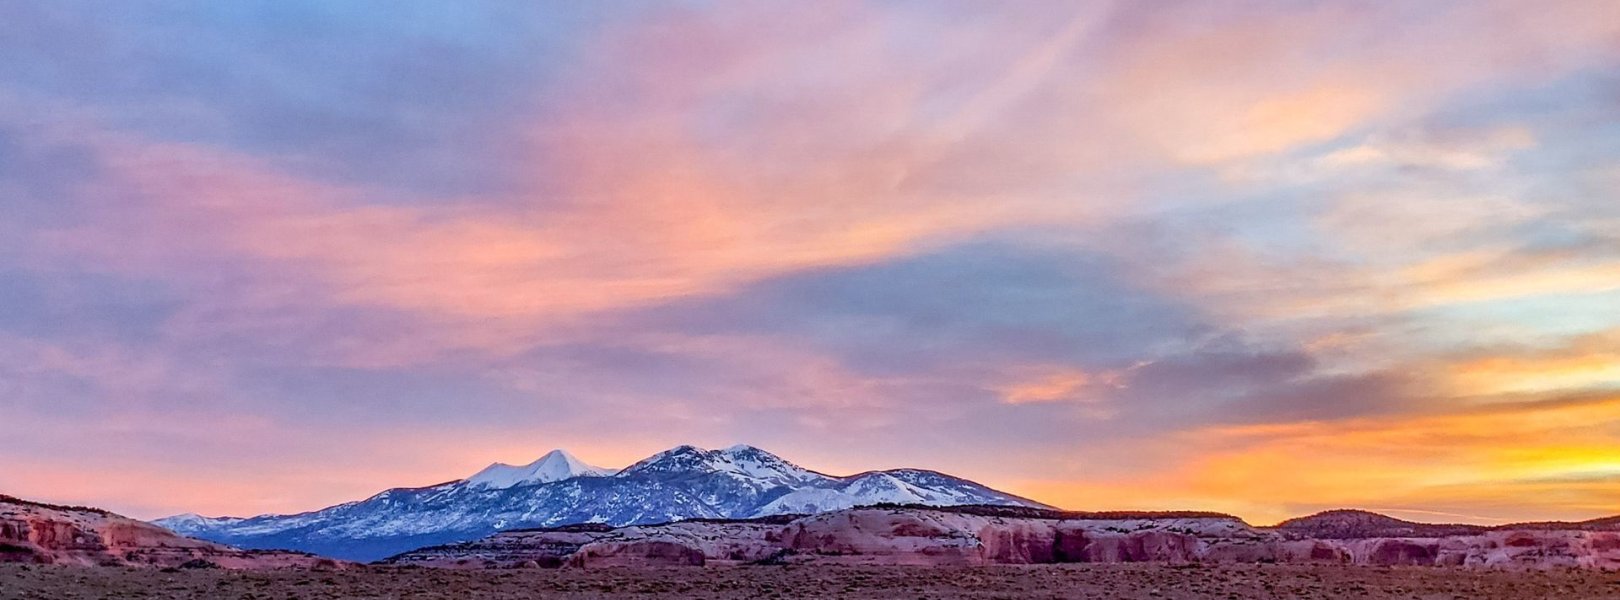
<point>32,532</point>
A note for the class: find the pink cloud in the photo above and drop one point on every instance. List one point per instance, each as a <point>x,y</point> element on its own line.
<point>692,153</point>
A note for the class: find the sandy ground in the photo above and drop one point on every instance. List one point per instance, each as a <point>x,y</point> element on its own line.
<point>761,583</point>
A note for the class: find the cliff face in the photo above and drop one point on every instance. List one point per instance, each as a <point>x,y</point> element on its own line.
<point>44,534</point>
<point>923,536</point>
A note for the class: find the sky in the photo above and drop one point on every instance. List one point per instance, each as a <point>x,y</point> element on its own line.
<point>1264,258</point>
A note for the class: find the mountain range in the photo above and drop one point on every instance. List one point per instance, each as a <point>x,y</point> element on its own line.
<point>682,483</point>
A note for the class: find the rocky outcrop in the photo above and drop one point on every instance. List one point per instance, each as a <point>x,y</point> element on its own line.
<point>538,548</point>
<point>1359,524</point>
<point>717,542</point>
<point>637,553</point>
<point>916,535</point>
<point>32,532</point>
<point>1370,538</point>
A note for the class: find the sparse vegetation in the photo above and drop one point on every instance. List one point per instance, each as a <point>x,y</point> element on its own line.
<point>4,499</point>
<point>1123,581</point>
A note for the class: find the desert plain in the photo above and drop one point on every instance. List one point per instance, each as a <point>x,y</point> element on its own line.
<point>1126,581</point>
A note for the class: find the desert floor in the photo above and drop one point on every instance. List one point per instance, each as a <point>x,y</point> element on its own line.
<point>760,583</point>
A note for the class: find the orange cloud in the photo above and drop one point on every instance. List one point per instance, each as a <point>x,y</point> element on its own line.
<point>1061,384</point>
<point>1482,152</point>
<point>1587,361</point>
<point>1491,275</point>
<point>1207,89</point>
<point>1478,461</point>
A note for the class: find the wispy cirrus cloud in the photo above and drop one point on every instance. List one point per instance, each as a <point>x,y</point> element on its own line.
<point>1203,243</point>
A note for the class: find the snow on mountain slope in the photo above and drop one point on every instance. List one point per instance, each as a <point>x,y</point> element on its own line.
<point>189,522</point>
<point>741,460</point>
<point>681,483</point>
<point>556,465</point>
<point>900,486</point>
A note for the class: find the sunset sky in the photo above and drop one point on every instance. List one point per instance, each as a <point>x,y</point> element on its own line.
<point>1263,258</point>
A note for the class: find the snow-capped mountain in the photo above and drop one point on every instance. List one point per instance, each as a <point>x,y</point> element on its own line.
<point>556,465</point>
<point>681,483</point>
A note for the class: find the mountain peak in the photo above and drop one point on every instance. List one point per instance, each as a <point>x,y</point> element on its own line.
<point>681,459</point>
<point>740,460</point>
<point>745,452</point>
<point>556,465</point>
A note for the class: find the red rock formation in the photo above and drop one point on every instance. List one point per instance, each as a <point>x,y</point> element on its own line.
<point>643,553</point>
<point>1360,524</point>
<point>1402,552</point>
<point>936,536</point>
<point>45,534</point>
<point>1019,542</point>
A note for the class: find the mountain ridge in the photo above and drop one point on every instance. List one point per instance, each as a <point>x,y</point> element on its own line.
<point>684,482</point>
